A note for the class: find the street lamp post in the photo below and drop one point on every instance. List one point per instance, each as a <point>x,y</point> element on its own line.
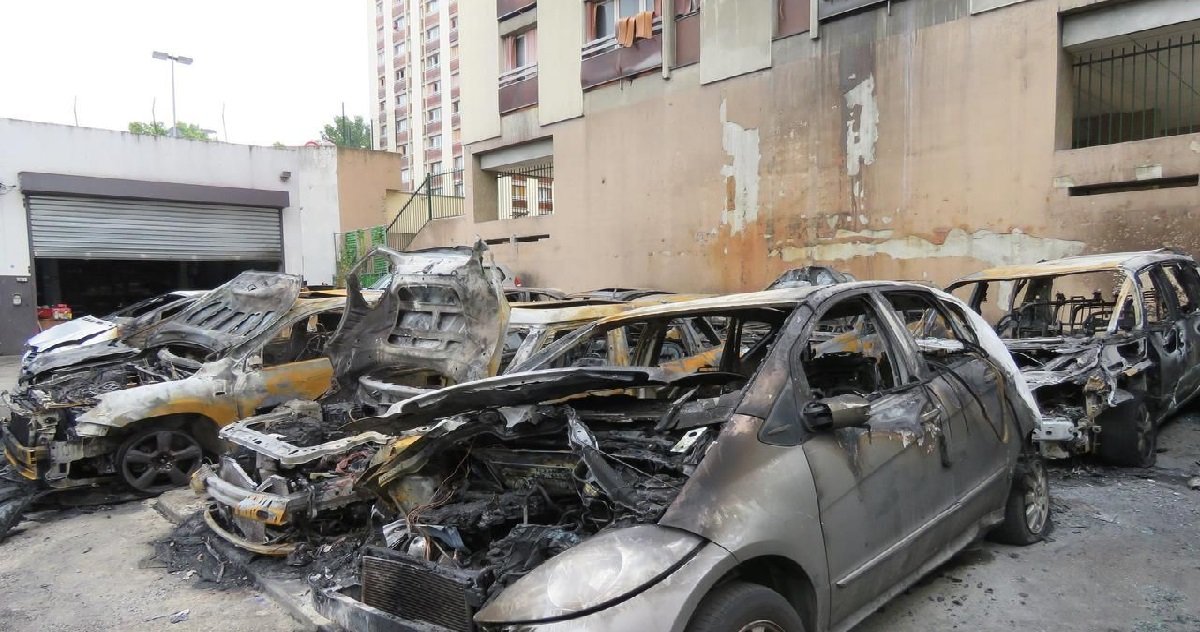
<point>186,61</point>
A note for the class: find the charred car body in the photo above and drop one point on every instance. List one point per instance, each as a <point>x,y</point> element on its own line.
<point>293,481</point>
<point>1109,343</point>
<point>795,483</point>
<point>146,416</point>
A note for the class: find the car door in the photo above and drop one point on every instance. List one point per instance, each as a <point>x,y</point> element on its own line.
<point>290,365</point>
<point>977,441</point>
<point>1183,279</point>
<point>882,486</point>
<point>1165,341</point>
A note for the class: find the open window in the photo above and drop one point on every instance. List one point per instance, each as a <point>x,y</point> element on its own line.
<point>302,340</point>
<point>933,325</point>
<point>861,361</point>
<point>1185,287</point>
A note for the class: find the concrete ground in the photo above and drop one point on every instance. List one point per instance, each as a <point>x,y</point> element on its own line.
<point>1124,557</point>
<point>90,570</point>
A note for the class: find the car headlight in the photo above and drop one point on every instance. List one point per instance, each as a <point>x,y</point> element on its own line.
<point>596,574</point>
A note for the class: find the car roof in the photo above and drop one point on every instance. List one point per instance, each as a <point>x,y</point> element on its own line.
<point>548,313</point>
<point>1112,261</point>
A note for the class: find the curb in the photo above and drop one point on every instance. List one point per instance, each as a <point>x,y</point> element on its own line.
<point>290,594</point>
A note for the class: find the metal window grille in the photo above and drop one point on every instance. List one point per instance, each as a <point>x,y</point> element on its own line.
<point>526,192</point>
<point>1145,89</point>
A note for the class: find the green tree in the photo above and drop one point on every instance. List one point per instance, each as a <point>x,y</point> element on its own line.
<point>186,130</point>
<point>347,132</point>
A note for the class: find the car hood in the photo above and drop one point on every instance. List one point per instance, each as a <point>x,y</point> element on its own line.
<point>81,331</point>
<point>440,312</point>
<point>244,307</point>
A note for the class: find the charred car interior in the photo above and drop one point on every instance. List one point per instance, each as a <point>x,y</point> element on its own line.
<point>1109,344</point>
<point>492,492</point>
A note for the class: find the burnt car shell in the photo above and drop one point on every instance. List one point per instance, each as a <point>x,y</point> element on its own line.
<point>1108,364</point>
<point>613,498</point>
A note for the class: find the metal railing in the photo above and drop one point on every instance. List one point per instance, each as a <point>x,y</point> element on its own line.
<point>1135,92</point>
<point>526,192</point>
<point>440,195</point>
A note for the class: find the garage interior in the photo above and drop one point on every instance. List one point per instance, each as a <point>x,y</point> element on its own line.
<point>97,254</point>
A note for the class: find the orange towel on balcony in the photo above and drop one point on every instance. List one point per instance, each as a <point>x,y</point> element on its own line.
<point>625,31</point>
<point>644,25</point>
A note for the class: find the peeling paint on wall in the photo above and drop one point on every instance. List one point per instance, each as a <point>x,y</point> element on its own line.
<point>983,245</point>
<point>862,128</point>
<point>741,174</point>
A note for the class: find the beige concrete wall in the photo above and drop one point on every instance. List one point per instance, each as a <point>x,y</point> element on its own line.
<point>364,179</point>
<point>560,35</point>
<point>924,153</point>
<point>479,71</point>
<point>735,37</point>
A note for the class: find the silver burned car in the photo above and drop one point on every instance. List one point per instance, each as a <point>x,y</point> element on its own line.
<point>837,444</point>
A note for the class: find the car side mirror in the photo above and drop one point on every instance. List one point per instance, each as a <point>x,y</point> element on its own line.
<point>840,411</point>
<point>939,346</point>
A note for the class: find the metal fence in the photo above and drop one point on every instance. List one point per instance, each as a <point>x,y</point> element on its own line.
<point>1141,90</point>
<point>525,192</point>
<point>439,196</point>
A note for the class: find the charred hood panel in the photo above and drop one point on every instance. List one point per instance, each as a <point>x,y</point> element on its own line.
<point>239,310</point>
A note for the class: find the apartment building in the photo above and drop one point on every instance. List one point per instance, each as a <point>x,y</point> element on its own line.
<point>707,145</point>
<point>416,91</point>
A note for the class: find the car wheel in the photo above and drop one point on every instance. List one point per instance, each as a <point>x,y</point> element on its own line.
<point>1128,435</point>
<point>744,607</point>
<point>154,460</point>
<point>1027,511</point>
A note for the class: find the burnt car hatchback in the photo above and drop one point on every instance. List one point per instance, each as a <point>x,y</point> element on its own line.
<point>844,441</point>
<point>1109,343</point>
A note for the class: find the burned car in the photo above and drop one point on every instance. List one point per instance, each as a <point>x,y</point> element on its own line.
<point>145,417</point>
<point>79,340</point>
<point>293,481</point>
<point>1109,343</point>
<point>796,483</point>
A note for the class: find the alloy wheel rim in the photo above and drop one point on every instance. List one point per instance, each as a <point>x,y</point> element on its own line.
<point>762,625</point>
<point>1037,498</point>
<point>160,461</point>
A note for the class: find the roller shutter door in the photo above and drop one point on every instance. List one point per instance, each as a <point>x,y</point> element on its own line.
<point>103,228</point>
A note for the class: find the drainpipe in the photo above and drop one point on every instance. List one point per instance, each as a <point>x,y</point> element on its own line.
<point>668,38</point>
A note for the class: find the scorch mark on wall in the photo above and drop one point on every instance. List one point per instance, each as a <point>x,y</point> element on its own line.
<point>983,245</point>
<point>740,172</point>
<point>862,131</point>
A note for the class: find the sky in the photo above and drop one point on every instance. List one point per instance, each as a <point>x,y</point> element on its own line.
<point>278,69</point>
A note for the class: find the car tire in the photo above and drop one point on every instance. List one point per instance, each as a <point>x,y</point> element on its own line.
<point>155,459</point>
<point>744,607</point>
<point>1027,510</point>
<point>16,495</point>
<point>1128,435</point>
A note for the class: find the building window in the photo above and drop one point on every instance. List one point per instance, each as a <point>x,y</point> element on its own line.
<point>434,168</point>
<point>400,23</point>
<point>402,125</point>
<point>431,34</point>
<point>435,87</point>
<point>434,142</point>
<point>400,49</point>
<point>381,57</point>
<point>458,163</point>
<point>1141,87</point>
<point>378,6</point>
<point>406,175</point>
<point>603,16</point>
<point>399,74</point>
<point>454,53</point>
<point>401,148</point>
<point>454,106</point>
<point>382,82</point>
<point>382,107</point>
<point>401,99</point>
<point>456,135</point>
<point>454,22</point>
<point>433,115</point>
<point>527,192</point>
<point>431,6</point>
<point>382,134</point>
<point>432,60</point>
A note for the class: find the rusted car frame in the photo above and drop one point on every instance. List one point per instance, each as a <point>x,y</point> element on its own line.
<point>650,497</point>
<point>287,488</point>
<point>1109,343</point>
